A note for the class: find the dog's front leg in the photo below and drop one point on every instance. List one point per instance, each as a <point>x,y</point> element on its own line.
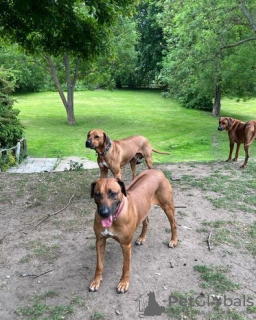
<point>123,285</point>
<point>231,147</point>
<point>103,171</point>
<point>101,249</point>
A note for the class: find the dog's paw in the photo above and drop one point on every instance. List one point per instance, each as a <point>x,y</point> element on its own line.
<point>173,243</point>
<point>94,286</point>
<point>140,241</point>
<point>122,287</point>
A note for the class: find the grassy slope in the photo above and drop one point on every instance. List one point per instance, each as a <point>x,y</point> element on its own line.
<point>189,135</point>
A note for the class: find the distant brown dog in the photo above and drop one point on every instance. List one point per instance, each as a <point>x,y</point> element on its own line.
<point>119,212</point>
<point>238,132</point>
<point>115,154</point>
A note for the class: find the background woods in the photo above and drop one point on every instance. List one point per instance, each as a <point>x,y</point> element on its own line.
<point>196,52</point>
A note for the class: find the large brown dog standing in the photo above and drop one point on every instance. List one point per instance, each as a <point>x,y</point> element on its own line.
<point>119,213</point>
<point>115,154</point>
<point>238,132</point>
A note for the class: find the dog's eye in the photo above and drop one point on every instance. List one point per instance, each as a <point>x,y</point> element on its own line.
<point>113,194</point>
<point>96,137</point>
<point>97,195</point>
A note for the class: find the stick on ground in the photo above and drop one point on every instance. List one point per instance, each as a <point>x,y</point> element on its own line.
<point>52,214</point>
<point>209,241</point>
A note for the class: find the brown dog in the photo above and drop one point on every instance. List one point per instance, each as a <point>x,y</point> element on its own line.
<point>119,212</point>
<point>115,154</point>
<point>238,132</point>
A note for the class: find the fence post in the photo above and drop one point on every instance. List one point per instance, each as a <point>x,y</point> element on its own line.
<point>17,151</point>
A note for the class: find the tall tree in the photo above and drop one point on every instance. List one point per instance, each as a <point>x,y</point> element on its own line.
<point>206,42</point>
<point>30,77</point>
<point>66,28</point>
<point>150,44</point>
<point>114,70</point>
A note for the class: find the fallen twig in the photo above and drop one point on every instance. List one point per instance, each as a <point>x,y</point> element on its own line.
<point>52,214</point>
<point>184,227</point>
<point>251,290</point>
<point>249,193</point>
<point>23,275</point>
<point>42,274</point>
<point>209,241</point>
<point>175,178</point>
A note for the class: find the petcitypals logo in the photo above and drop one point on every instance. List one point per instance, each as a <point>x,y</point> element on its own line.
<point>148,305</point>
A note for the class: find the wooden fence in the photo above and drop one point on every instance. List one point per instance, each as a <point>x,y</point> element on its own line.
<point>19,150</point>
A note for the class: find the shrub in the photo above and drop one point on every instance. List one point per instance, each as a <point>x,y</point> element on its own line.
<point>194,100</point>
<point>6,161</point>
<point>11,129</point>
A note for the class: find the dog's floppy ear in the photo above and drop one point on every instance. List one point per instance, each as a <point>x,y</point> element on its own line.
<point>106,139</point>
<point>92,187</point>
<point>230,122</point>
<point>122,185</point>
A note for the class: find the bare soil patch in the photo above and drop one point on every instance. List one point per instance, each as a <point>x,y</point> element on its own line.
<point>51,265</point>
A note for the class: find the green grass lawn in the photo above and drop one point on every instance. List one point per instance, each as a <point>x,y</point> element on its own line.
<point>189,135</point>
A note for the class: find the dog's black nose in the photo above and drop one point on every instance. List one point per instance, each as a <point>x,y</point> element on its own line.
<point>88,144</point>
<point>104,211</point>
<point>220,128</point>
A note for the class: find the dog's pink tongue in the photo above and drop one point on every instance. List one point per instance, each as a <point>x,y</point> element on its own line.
<point>107,222</point>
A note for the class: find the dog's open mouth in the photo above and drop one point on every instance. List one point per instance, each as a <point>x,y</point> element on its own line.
<point>107,222</point>
<point>116,209</point>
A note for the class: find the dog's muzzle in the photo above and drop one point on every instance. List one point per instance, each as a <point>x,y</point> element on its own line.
<point>88,144</point>
<point>220,128</point>
<point>106,211</point>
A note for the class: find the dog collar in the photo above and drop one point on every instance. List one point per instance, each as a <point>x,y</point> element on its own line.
<point>119,209</point>
<point>107,149</point>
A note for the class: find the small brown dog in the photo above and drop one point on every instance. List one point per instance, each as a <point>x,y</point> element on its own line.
<point>120,211</point>
<point>115,154</point>
<point>238,132</point>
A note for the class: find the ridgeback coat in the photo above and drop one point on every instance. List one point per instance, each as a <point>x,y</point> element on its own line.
<point>113,155</point>
<point>120,211</point>
<point>238,132</point>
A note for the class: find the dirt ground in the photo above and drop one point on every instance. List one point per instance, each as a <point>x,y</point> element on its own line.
<point>52,263</point>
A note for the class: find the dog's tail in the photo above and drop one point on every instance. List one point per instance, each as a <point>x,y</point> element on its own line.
<point>156,151</point>
<point>252,138</point>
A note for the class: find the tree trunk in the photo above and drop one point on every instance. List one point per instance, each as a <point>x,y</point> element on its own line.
<point>70,92</point>
<point>69,101</point>
<point>217,105</point>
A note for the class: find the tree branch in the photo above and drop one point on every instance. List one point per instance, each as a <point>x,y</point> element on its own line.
<point>247,15</point>
<point>45,67</point>
<point>231,45</point>
<point>56,79</point>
